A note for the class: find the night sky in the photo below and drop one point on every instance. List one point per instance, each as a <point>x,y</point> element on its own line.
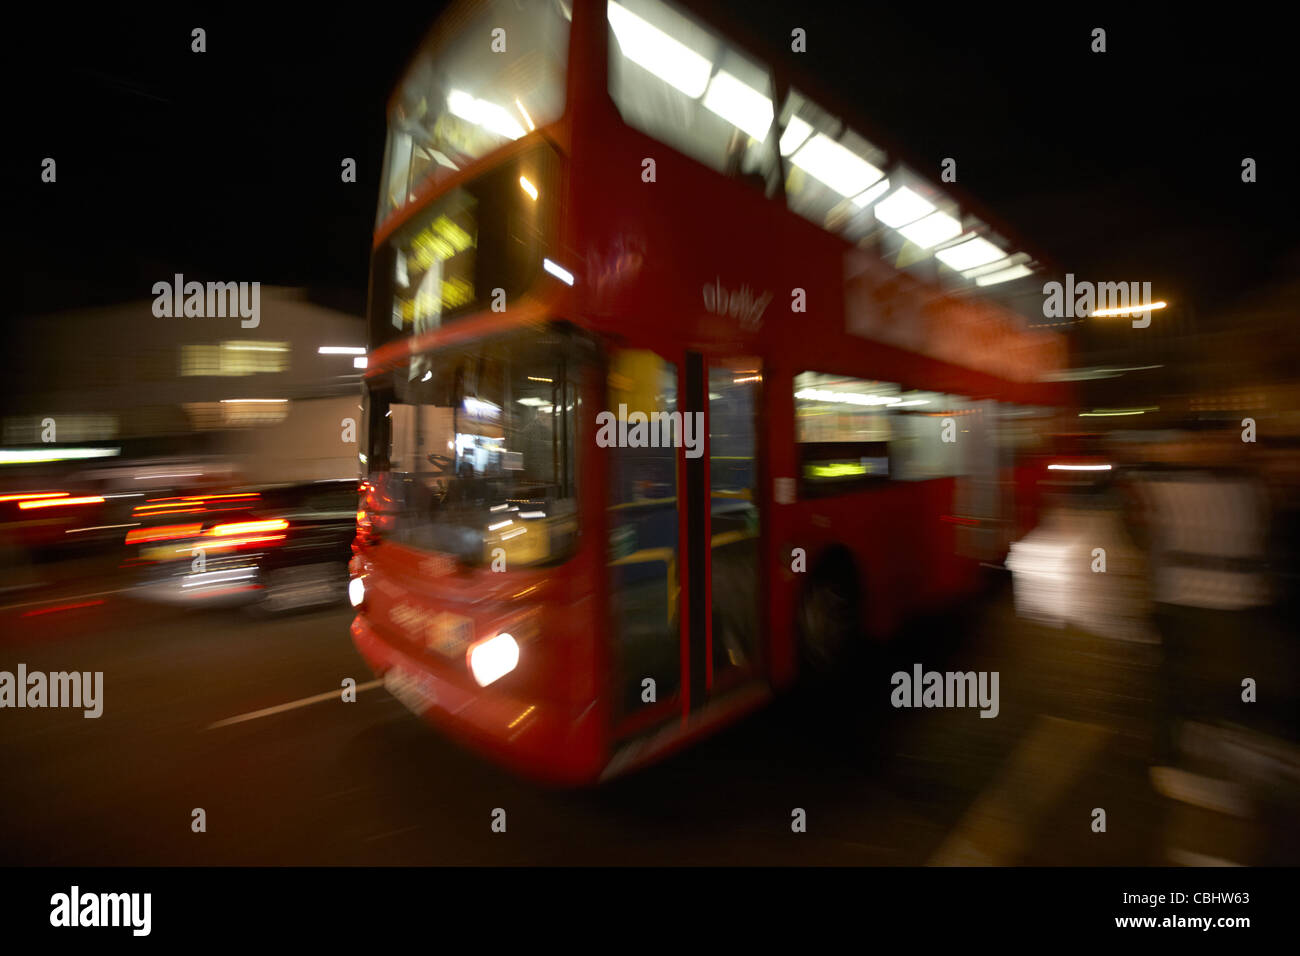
<point>1123,165</point>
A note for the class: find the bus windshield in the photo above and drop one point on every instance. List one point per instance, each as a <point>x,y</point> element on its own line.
<point>471,449</point>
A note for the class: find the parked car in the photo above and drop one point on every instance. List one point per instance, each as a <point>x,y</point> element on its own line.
<point>273,548</point>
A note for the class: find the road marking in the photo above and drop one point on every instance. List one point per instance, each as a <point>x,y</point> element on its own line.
<point>389,833</point>
<point>1220,796</point>
<point>1188,858</point>
<point>293,705</point>
<point>75,597</point>
<point>63,607</point>
<point>999,824</point>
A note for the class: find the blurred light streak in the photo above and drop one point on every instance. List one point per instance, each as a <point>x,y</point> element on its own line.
<point>62,607</point>
<point>31,456</point>
<point>1105,313</point>
<point>564,275</point>
<point>59,502</point>
<point>292,705</point>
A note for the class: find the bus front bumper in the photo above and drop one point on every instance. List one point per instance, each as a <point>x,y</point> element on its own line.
<point>539,739</point>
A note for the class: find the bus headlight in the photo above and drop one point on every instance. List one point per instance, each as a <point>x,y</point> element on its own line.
<point>356,591</point>
<point>493,658</point>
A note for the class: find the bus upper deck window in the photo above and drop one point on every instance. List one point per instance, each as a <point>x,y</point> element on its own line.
<point>833,176</point>
<point>486,77</point>
<point>676,81</point>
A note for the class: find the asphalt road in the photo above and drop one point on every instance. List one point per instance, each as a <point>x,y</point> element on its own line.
<point>329,782</point>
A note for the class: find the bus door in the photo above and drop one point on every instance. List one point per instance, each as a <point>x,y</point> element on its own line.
<point>722,482</point>
<point>683,566</point>
<point>644,559</point>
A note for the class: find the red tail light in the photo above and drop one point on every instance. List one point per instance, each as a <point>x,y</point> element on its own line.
<point>32,495</point>
<point>256,532</point>
<point>194,504</point>
<point>365,530</point>
<point>248,527</point>
<point>163,533</point>
<point>57,502</point>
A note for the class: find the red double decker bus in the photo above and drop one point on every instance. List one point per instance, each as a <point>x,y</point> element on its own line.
<point>677,386</point>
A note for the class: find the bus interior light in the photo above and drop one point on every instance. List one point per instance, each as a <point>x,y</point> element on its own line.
<point>564,275</point>
<point>527,119</point>
<point>649,47</point>
<point>970,254</point>
<point>796,131</point>
<point>902,207</point>
<point>932,230</point>
<point>837,166</point>
<point>1005,275</point>
<point>872,194</point>
<point>740,105</point>
<point>489,116</point>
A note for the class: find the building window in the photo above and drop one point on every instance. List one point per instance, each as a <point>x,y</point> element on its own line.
<point>233,359</point>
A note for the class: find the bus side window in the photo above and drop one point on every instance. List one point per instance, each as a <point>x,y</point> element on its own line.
<point>843,431</point>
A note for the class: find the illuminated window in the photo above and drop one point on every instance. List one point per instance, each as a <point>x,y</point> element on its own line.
<point>433,266</point>
<point>843,429</point>
<point>449,259</point>
<point>676,81</point>
<point>83,427</point>
<point>853,432</point>
<point>461,99</point>
<point>833,176</point>
<point>231,359</point>
<point>200,360</point>
<point>932,433</point>
<point>210,415</point>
